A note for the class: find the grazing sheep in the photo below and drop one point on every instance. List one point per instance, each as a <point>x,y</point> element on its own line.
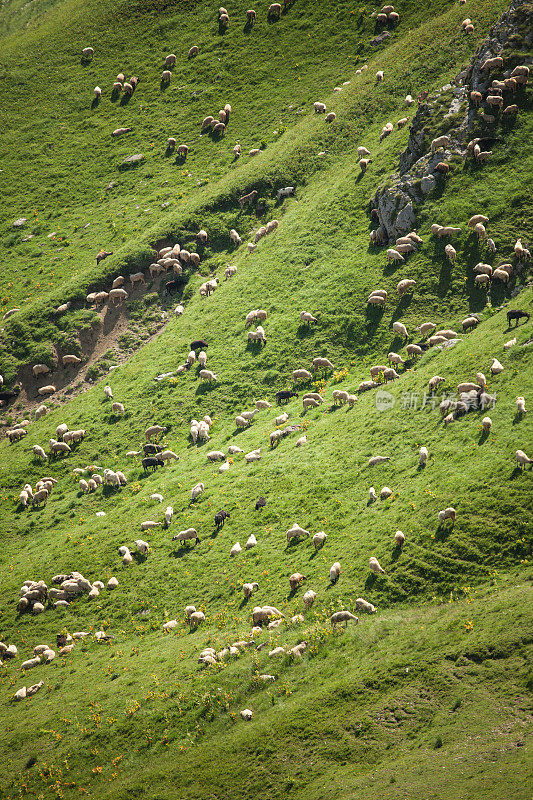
<point>154,430</point>
<point>374,565</point>
<point>400,330</point>
<point>386,131</point>
<point>296,532</point>
<point>319,539</point>
<point>320,108</point>
<point>118,409</point>
<point>487,424</point>
<point>377,460</point>
<point>187,535</point>
<point>334,572</point>
<point>166,76</point>
<point>196,491</point>
<point>399,538</point>
<point>196,618</point>
<point>87,52</point>
<point>250,542</point>
<point>496,367</point>
<point>521,252</point>
<point>343,616</point>
<point>193,51</point>
<point>414,350</point>
<point>492,63</point>
<point>522,459</point>
<point>394,255</point>
<point>515,314</point>
<point>207,375</point>
<point>322,363</point>
<point>295,580</point>
<point>380,76</point>
<point>440,142</point>
<point>520,406</point>
<point>423,456</point>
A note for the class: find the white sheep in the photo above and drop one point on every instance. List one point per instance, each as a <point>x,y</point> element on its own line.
<point>399,538</point>
<point>249,589</point>
<point>235,550</point>
<point>435,382</point>
<point>400,330</point>
<point>496,367</point>
<point>196,618</point>
<point>522,459</point>
<point>296,532</point>
<point>196,491</point>
<point>207,375</point>
<point>375,567</point>
<point>423,456</point>
<point>487,424</point>
<point>334,572</point>
<point>186,535</point>
<point>364,605</point>
<point>343,616</point>
<point>250,542</point>
<point>377,460</point>
<point>520,406</point>
<point>309,598</point>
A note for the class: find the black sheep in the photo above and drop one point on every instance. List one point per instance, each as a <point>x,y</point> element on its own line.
<point>516,314</point>
<point>285,394</point>
<point>261,503</point>
<point>154,463</point>
<point>199,344</point>
<point>220,518</point>
<point>152,449</point>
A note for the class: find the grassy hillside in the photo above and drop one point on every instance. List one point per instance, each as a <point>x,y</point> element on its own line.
<point>429,697</point>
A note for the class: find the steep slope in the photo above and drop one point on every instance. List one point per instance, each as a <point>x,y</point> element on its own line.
<point>428,698</point>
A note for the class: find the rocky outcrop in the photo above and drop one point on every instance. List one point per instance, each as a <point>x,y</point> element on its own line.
<point>448,111</point>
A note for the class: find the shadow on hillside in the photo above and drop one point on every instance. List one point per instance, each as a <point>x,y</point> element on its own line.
<point>304,331</point>
<point>95,103</point>
<point>125,99</point>
<point>139,558</point>
<point>396,553</point>
<point>516,472</point>
<point>205,388</point>
<point>255,347</point>
<point>483,437</point>
<point>442,532</point>
<point>391,267</point>
<point>370,582</point>
<point>179,553</point>
<point>373,317</point>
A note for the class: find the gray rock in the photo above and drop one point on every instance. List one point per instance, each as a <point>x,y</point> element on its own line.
<point>395,210</point>
<point>427,184</point>
<point>380,39</point>
<point>19,223</point>
<point>132,161</point>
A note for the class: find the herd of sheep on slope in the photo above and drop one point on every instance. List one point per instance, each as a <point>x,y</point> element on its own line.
<point>471,395</point>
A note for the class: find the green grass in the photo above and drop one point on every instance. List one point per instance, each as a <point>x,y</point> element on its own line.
<point>429,697</point>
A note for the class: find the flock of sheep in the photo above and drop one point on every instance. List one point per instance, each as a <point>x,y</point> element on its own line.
<point>471,394</point>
